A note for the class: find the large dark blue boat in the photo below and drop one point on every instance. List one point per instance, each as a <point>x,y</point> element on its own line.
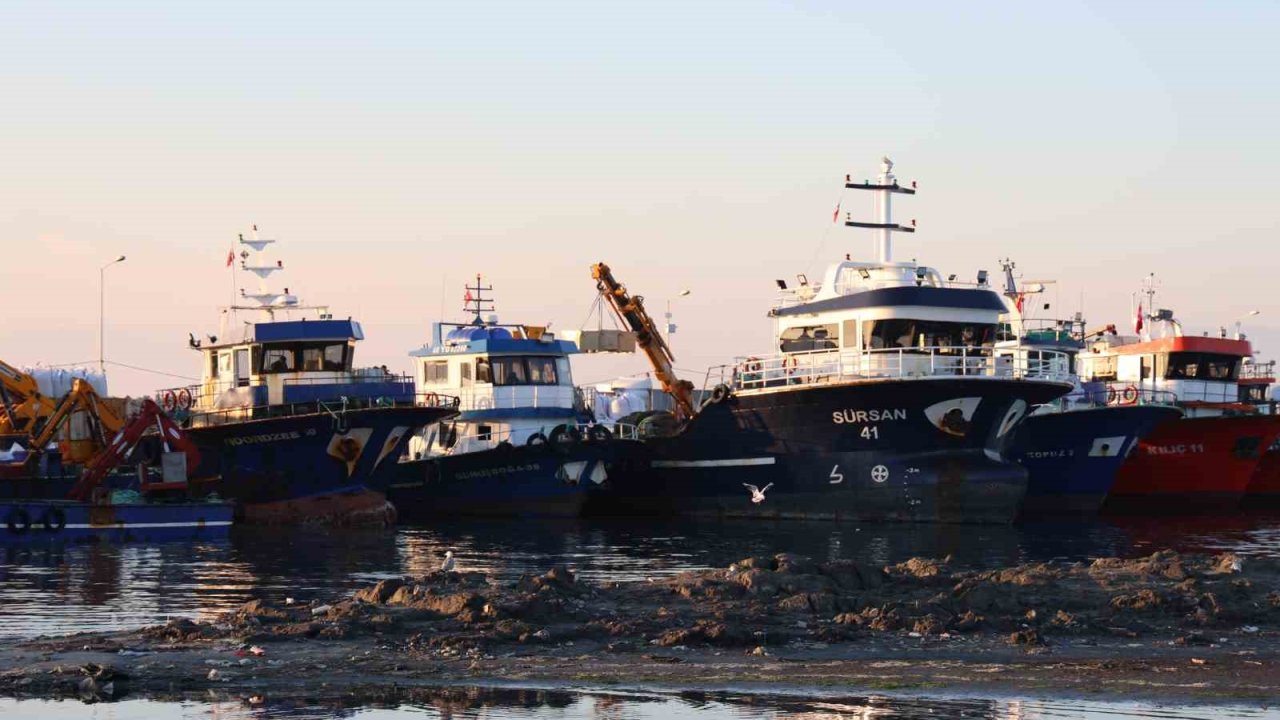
<point>518,446</point>
<point>883,400</point>
<point>286,425</point>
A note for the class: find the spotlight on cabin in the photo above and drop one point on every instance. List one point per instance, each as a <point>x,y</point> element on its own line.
<point>782,284</point>
<point>802,279</point>
<point>920,273</point>
<point>951,277</point>
<point>982,277</point>
<point>864,273</point>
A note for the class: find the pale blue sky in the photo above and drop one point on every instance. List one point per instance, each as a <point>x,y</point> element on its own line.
<point>695,145</point>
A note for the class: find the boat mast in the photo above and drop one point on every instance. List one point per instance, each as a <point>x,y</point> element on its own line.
<point>477,303</point>
<point>885,186</point>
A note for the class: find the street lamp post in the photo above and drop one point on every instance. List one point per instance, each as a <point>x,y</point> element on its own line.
<point>670,327</point>
<point>102,316</point>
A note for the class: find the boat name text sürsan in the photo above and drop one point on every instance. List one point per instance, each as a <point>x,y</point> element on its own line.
<point>841,417</point>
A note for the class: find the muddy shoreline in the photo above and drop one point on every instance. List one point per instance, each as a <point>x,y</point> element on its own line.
<point>1170,627</point>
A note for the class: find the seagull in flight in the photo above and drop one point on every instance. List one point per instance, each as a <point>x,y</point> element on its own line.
<point>447,565</point>
<point>757,494</point>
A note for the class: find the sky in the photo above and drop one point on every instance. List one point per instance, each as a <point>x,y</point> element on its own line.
<point>396,149</point>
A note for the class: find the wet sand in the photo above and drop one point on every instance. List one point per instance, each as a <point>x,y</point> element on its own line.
<point>1167,627</point>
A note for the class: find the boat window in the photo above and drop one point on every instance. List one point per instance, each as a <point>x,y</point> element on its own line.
<point>910,333</point>
<point>484,432</point>
<point>311,358</point>
<point>435,372</point>
<point>278,359</point>
<point>813,337</point>
<point>509,371</point>
<point>1101,367</point>
<point>335,357</point>
<point>542,370</point>
<point>483,374</point>
<point>1255,394</point>
<point>213,365</point>
<point>1202,366</point>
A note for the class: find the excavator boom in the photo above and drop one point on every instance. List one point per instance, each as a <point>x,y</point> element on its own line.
<point>630,310</point>
<point>126,439</point>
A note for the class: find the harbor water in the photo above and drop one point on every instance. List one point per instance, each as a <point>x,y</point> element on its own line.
<point>55,589</point>
<point>513,704</point>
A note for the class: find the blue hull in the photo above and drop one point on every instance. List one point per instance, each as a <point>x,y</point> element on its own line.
<point>310,468</point>
<point>511,481</point>
<point>1073,457</point>
<point>43,521</point>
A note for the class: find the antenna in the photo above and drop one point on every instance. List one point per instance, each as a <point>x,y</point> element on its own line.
<point>477,303</point>
<point>885,186</point>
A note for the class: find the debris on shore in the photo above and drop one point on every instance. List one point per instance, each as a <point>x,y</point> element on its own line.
<point>462,626</point>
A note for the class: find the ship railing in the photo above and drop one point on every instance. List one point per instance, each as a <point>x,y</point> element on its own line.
<point>221,408</point>
<point>1258,371</point>
<point>1111,394</point>
<point>916,363</point>
<point>1042,330</point>
<point>511,397</point>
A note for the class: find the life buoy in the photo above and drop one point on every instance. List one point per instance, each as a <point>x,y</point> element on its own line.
<point>720,393</point>
<point>432,400</point>
<point>184,399</point>
<point>455,401</point>
<point>536,439</point>
<point>789,364</point>
<point>1130,395</point>
<point>54,519</point>
<point>1112,396</point>
<point>168,401</point>
<point>599,433</point>
<point>18,520</point>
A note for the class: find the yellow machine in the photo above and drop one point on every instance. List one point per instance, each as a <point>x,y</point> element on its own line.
<point>630,309</point>
<point>21,404</point>
<point>25,410</point>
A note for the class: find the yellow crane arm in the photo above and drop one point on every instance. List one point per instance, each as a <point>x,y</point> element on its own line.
<point>21,403</point>
<point>82,397</point>
<point>630,310</point>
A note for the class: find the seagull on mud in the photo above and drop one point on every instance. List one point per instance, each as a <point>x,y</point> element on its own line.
<point>447,565</point>
<point>757,494</point>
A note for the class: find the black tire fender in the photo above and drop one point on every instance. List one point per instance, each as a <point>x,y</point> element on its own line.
<point>18,520</point>
<point>54,519</point>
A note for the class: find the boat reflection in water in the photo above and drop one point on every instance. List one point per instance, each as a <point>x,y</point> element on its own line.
<point>714,704</point>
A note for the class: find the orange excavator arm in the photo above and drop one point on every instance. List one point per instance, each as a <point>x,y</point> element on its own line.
<point>630,310</point>
<point>126,439</point>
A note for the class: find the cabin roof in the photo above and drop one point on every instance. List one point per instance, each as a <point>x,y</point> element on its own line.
<point>922,296</point>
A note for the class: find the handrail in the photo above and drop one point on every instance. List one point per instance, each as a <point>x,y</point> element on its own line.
<point>1111,394</point>
<point>914,363</point>
<point>334,406</point>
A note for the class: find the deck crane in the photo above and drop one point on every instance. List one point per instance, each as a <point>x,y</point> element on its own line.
<point>630,309</point>
<point>120,447</point>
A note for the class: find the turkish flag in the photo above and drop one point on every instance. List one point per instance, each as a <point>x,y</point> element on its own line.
<point>231,257</point>
<point>1137,321</point>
